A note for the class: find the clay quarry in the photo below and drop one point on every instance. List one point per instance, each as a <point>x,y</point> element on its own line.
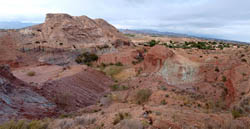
<point>74,72</point>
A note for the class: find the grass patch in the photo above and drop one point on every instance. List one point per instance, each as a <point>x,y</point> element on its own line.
<point>113,70</point>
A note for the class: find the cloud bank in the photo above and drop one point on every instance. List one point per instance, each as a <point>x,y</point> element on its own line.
<point>227,19</point>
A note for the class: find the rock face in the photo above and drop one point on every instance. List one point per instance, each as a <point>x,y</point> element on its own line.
<point>63,30</point>
<point>180,70</point>
<point>18,100</point>
<point>58,40</point>
<point>156,57</point>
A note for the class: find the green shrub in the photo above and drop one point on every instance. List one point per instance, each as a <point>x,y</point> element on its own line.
<point>143,95</point>
<point>118,87</point>
<point>86,58</point>
<point>221,47</point>
<point>153,43</point>
<point>119,64</point>
<point>31,73</point>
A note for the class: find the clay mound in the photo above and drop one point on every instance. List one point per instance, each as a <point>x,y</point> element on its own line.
<point>17,100</point>
<point>77,91</point>
<point>63,30</point>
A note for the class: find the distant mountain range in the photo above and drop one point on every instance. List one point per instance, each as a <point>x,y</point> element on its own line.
<point>14,25</point>
<point>158,33</point>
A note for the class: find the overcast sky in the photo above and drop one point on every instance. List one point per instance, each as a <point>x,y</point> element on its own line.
<point>226,19</point>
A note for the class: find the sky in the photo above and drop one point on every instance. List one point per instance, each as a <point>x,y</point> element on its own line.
<point>224,19</point>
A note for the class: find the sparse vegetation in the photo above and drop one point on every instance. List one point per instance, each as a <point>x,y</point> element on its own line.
<point>129,35</point>
<point>143,95</point>
<point>121,116</point>
<point>23,124</point>
<point>112,70</point>
<point>198,45</point>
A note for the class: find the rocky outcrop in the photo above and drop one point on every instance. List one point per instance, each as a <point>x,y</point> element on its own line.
<point>155,58</point>
<point>18,100</point>
<point>63,30</point>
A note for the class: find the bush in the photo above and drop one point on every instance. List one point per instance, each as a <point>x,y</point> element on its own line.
<point>163,102</point>
<point>236,114</point>
<point>224,78</point>
<point>119,64</point>
<point>31,73</point>
<point>86,58</point>
<point>152,43</point>
<point>221,47</point>
<point>22,124</point>
<point>143,95</point>
<point>118,87</point>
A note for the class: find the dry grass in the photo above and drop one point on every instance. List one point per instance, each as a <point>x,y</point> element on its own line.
<point>23,124</point>
<point>143,95</point>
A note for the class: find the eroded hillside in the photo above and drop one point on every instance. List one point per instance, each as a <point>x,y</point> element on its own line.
<point>97,79</point>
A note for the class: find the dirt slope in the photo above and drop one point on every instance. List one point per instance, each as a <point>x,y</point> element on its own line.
<point>77,91</point>
<point>18,100</point>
